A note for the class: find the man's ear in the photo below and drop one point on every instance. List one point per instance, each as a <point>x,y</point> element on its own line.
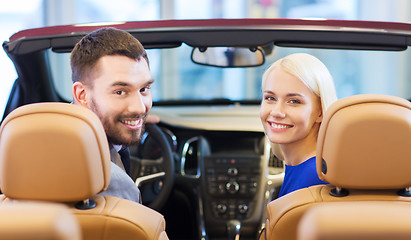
<point>79,94</point>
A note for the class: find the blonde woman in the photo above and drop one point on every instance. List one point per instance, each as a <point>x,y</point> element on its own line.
<point>297,90</point>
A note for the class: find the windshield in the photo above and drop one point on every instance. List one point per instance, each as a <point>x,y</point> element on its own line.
<point>178,79</point>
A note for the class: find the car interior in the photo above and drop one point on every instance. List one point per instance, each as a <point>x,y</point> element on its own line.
<point>206,170</point>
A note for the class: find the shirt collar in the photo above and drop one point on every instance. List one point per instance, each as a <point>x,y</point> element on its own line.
<point>117,147</point>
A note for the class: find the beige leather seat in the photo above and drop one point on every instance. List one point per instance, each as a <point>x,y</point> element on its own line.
<point>58,152</point>
<point>37,221</point>
<point>364,153</point>
<point>362,220</point>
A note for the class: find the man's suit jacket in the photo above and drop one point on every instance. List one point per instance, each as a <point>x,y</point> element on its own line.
<point>121,185</point>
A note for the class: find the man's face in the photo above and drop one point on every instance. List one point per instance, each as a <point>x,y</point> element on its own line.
<point>120,96</point>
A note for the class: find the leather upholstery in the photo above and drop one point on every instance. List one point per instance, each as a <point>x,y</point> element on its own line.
<point>58,152</point>
<point>38,221</point>
<point>359,136</point>
<point>54,152</point>
<point>364,141</point>
<point>284,213</point>
<point>372,221</point>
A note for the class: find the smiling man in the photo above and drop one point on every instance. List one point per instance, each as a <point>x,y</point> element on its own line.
<point>111,77</point>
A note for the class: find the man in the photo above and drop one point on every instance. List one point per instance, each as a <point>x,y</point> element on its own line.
<point>111,77</point>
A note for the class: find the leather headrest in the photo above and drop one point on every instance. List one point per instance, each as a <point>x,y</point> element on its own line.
<point>37,221</point>
<point>365,220</point>
<point>364,143</point>
<point>53,152</point>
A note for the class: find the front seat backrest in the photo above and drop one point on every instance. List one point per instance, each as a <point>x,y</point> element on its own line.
<point>58,152</point>
<point>363,151</point>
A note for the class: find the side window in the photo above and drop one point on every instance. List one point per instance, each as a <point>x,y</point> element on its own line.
<point>15,16</point>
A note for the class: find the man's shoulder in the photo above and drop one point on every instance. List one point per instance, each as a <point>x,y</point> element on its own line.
<point>121,185</point>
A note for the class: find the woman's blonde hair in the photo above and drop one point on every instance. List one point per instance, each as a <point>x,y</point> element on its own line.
<point>313,73</point>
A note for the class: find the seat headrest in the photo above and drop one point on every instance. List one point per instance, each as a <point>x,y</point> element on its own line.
<point>53,152</point>
<point>364,143</point>
<point>366,220</point>
<point>38,221</point>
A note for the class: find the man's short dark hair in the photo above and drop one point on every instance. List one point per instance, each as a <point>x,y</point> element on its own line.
<point>100,43</point>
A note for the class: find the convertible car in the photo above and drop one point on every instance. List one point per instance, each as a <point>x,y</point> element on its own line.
<point>207,166</point>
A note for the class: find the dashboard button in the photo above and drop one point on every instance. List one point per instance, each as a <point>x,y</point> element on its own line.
<point>232,171</point>
<point>232,187</point>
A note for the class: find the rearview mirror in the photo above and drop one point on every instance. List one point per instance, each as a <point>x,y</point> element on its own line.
<point>228,56</point>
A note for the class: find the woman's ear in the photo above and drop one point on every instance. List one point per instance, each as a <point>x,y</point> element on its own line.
<point>79,94</point>
<point>320,117</point>
<point>319,110</point>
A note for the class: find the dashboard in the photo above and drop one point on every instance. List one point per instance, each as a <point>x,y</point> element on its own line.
<point>223,161</point>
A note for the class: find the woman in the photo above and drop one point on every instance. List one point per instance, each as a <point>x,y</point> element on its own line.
<point>297,90</point>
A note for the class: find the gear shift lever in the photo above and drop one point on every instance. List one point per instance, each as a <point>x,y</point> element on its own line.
<point>233,229</point>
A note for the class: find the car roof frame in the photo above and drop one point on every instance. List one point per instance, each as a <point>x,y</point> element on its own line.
<point>330,34</point>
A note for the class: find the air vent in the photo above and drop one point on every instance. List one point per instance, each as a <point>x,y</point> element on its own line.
<point>276,166</point>
<point>190,166</point>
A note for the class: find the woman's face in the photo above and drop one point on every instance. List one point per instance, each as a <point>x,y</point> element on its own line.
<point>290,112</point>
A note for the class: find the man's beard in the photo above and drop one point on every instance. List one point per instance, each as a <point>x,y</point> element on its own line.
<point>113,134</point>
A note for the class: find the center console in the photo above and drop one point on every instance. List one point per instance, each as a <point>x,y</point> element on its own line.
<point>231,171</point>
<point>232,190</point>
<point>231,182</point>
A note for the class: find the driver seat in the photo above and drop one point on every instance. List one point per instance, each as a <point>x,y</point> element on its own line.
<point>58,152</point>
<point>363,151</point>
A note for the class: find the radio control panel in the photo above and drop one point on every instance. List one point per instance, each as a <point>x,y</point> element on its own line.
<point>231,182</point>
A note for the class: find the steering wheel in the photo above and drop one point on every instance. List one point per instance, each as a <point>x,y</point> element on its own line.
<point>152,167</point>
